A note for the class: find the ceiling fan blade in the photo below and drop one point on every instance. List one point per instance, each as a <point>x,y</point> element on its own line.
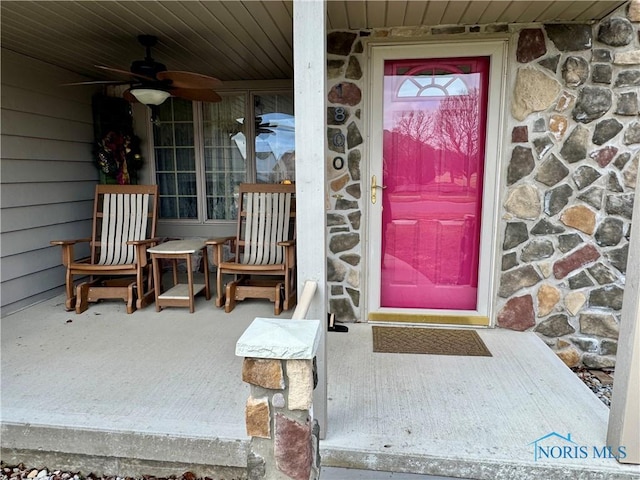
<point>197,94</point>
<point>189,80</point>
<point>96,82</point>
<point>128,96</point>
<point>125,72</point>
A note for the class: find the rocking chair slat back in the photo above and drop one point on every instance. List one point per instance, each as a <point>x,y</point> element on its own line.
<point>266,223</point>
<point>121,214</point>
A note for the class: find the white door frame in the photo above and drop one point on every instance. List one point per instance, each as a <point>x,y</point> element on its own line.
<point>488,255</point>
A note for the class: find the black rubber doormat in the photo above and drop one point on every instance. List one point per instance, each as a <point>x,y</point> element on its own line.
<point>431,341</point>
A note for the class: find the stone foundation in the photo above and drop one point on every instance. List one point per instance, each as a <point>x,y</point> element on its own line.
<point>571,153</point>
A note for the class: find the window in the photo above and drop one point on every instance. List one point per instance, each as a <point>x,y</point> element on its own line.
<point>202,153</point>
<point>225,165</point>
<point>175,156</point>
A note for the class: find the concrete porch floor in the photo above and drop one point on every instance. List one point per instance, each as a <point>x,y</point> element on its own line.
<point>163,391</point>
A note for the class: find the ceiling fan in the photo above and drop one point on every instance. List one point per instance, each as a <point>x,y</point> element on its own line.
<point>151,83</point>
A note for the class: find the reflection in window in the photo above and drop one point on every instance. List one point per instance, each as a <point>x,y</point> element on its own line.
<point>274,128</point>
<point>433,113</point>
<point>275,143</point>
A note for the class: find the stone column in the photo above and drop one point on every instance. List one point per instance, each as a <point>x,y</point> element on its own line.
<point>279,364</point>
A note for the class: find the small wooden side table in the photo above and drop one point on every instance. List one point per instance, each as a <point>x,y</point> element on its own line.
<point>180,295</point>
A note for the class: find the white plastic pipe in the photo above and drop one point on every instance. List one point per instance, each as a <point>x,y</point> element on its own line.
<point>309,290</point>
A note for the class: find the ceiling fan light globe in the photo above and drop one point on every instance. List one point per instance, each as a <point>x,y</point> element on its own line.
<point>150,96</point>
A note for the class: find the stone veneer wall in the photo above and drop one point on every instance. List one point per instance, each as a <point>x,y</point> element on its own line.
<point>571,159</point>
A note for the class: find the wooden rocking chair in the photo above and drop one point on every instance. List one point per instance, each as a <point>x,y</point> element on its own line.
<point>264,260</point>
<point>124,226</point>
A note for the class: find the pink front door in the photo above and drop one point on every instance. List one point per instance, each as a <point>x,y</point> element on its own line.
<point>434,114</point>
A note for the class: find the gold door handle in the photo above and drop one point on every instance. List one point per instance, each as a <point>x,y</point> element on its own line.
<point>374,186</point>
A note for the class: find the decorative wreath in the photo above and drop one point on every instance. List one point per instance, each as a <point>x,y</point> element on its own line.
<point>118,156</point>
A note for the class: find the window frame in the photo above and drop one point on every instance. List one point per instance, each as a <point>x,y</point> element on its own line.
<point>250,92</point>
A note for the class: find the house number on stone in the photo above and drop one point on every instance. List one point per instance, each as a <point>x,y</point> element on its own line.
<point>338,163</point>
<point>339,115</point>
<point>338,139</point>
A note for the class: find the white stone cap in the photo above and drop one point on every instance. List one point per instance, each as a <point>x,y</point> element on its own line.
<point>280,338</point>
<point>178,246</point>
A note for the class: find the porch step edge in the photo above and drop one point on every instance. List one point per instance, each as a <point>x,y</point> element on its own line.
<point>123,453</point>
<point>456,467</point>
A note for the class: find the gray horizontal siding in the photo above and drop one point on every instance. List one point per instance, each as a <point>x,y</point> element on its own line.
<point>33,125</point>
<point>13,266</point>
<point>30,285</point>
<point>21,195</point>
<point>22,148</point>
<point>27,302</point>
<point>16,219</point>
<point>39,171</point>
<point>38,77</point>
<point>16,98</point>
<point>17,243</point>
<point>47,176</point>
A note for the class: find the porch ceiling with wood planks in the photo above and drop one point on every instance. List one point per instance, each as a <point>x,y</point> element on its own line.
<point>234,40</point>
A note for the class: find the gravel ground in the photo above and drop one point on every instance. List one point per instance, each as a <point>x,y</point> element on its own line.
<point>600,383</point>
<point>20,471</point>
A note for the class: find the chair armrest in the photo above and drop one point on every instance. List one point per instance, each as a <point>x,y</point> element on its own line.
<point>218,250</point>
<point>141,249</point>
<point>69,242</point>
<point>219,240</point>
<point>289,253</point>
<point>146,241</point>
<point>67,249</point>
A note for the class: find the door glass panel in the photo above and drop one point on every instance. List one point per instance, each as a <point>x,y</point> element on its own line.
<point>434,114</point>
